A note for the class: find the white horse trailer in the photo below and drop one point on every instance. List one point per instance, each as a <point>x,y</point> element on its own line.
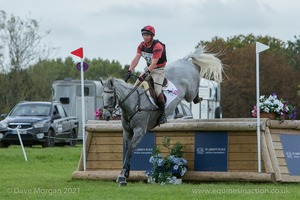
<point>209,107</point>
<point>68,93</point>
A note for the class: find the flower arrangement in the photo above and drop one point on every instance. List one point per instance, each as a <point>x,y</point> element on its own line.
<point>280,107</point>
<point>167,169</point>
<point>98,113</point>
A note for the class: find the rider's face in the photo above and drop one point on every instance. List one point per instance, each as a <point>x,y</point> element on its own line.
<point>147,38</point>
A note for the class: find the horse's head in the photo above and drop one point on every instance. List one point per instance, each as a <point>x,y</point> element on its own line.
<point>109,99</point>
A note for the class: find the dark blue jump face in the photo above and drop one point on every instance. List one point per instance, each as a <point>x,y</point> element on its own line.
<point>211,151</point>
<point>291,148</point>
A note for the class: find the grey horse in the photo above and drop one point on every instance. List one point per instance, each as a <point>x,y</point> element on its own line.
<point>140,115</point>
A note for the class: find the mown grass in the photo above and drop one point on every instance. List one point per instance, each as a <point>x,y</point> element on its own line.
<point>48,175</point>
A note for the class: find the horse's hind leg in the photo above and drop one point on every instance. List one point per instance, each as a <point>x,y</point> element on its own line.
<point>197,99</point>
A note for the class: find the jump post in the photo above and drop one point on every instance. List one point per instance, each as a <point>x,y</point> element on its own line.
<point>104,149</point>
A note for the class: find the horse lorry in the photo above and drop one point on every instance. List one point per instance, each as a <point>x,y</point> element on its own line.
<point>68,93</point>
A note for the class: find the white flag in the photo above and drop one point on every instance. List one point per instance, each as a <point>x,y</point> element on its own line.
<point>261,47</point>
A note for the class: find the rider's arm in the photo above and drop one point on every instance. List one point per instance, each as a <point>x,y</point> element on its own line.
<point>153,64</point>
<point>135,61</point>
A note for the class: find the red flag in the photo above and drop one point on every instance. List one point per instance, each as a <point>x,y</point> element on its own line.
<point>78,52</point>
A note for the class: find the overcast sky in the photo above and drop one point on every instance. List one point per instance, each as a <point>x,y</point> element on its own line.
<point>110,29</point>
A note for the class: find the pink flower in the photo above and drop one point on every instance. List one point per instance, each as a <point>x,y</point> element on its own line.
<point>98,113</point>
<point>254,112</point>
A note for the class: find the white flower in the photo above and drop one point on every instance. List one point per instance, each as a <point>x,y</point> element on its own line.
<point>171,157</point>
<point>183,161</point>
<point>171,179</point>
<point>175,167</point>
<point>176,161</point>
<point>183,171</point>
<point>270,104</point>
<point>160,162</point>
<point>151,160</point>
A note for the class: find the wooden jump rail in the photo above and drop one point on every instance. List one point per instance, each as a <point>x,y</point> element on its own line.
<point>104,145</point>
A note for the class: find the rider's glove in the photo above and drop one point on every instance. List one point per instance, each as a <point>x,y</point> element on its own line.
<point>127,75</point>
<point>144,75</point>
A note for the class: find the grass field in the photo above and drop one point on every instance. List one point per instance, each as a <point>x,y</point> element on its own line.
<point>47,175</point>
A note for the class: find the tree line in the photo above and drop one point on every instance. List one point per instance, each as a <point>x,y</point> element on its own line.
<point>35,82</point>
<point>23,77</point>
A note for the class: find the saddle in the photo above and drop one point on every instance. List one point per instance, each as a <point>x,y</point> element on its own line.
<point>148,86</point>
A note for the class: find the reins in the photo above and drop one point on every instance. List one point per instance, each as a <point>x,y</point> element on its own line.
<point>134,89</point>
<point>130,93</point>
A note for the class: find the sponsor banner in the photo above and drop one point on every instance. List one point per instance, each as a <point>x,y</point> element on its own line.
<point>291,148</point>
<point>142,153</point>
<point>211,151</point>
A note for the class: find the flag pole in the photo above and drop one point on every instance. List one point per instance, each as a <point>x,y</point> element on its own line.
<point>258,114</point>
<point>83,114</point>
<point>259,48</point>
<point>79,52</point>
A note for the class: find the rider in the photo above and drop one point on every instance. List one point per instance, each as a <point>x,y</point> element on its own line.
<point>154,52</point>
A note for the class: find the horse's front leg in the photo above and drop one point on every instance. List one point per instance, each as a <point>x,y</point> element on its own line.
<point>138,134</point>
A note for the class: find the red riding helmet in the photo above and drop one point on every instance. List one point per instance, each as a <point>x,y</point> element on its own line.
<point>148,30</point>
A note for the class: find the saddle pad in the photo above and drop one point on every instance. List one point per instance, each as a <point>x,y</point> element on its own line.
<point>170,92</point>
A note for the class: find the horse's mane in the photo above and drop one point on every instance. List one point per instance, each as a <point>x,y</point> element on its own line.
<point>123,83</point>
<point>210,65</point>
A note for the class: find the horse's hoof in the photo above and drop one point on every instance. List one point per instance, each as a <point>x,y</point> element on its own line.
<point>121,179</point>
<point>197,100</point>
<point>122,183</point>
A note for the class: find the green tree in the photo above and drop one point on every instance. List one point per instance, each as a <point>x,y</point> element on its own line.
<point>102,69</point>
<point>239,89</point>
<point>21,45</point>
<point>293,52</point>
<point>22,39</point>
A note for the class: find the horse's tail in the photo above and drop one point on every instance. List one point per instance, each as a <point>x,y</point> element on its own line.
<point>210,65</point>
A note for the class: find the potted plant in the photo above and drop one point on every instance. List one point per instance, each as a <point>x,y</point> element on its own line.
<point>168,169</point>
<point>280,108</point>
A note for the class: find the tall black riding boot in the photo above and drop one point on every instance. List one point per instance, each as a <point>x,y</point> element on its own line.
<point>161,106</point>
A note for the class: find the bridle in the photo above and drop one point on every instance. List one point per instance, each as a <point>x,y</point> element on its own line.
<point>114,103</point>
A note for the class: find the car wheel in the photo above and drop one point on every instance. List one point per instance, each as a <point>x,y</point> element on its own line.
<point>3,145</point>
<point>73,139</point>
<point>49,140</point>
